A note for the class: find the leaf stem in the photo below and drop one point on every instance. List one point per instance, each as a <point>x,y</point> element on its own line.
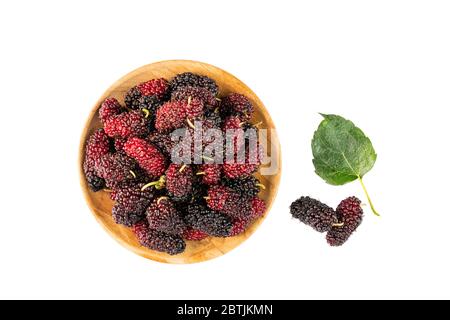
<point>368,197</point>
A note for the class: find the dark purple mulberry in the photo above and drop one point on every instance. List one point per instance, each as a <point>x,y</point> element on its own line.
<point>157,240</point>
<point>163,216</point>
<point>189,79</point>
<point>123,216</point>
<point>133,199</point>
<point>246,187</point>
<point>116,168</point>
<point>204,219</point>
<point>314,213</point>
<point>203,94</point>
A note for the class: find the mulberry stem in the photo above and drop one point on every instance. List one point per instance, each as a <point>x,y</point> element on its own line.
<point>368,197</point>
<point>190,124</point>
<point>160,199</point>
<point>260,185</point>
<point>133,174</point>
<point>148,185</point>
<point>207,158</point>
<point>158,184</point>
<point>146,113</point>
<point>200,173</point>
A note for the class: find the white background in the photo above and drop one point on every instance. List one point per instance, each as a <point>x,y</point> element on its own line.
<point>383,64</point>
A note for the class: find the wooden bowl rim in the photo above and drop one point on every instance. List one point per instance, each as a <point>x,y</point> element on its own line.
<point>86,131</point>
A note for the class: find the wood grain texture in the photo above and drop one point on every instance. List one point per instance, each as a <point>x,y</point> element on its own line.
<point>100,203</point>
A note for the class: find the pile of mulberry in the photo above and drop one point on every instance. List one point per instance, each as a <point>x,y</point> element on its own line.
<point>339,224</point>
<point>160,156</point>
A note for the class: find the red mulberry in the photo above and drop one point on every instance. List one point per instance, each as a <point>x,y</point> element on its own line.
<point>225,200</point>
<point>110,107</point>
<point>179,181</point>
<point>194,235</point>
<point>147,155</point>
<point>211,173</point>
<point>126,125</point>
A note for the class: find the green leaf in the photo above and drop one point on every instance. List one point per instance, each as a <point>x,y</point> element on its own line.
<point>342,152</point>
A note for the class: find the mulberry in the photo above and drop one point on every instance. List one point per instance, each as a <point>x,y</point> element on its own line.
<point>116,168</point>
<point>247,187</point>
<point>244,162</point>
<point>94,182</point>
<point>194,109</point>
<point>163,141</point>
<point>163,216</point>
<point>97,146</point>
<point>213,119</point>
<point>123,216</point>
<point>194,235</point>
<point>210,173</point>
<point>156,87</point>
<point>314,213</point>
<point>126,125</point>
<point>147,155</point>
<point>350,216</point>
<point>258,208</point>
<point>225,200</point>
<point>150,103</point>
<point>206,220</point>
<point>132,98</point>
<point>157,240</point>
<point>237,104</point>
<point>179,181</point>
<point>189,79</point>
<point>110,107</point>
<point>203,141</point>
<point>174,114</point>
<point>239,226</point>
<point>119,144</point>
<point>199,191</point>
<point>170,116</point>
<point>203,94</point>
<point>239,170</point>
<point>133,199</point>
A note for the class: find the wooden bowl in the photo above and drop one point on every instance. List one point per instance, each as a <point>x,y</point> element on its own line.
<point>100,203</point>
